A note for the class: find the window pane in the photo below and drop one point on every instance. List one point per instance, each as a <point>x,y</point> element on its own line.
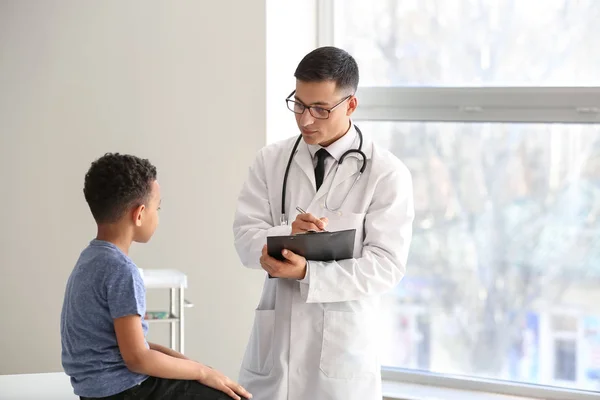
<point>565,356</point>
<point>507,229</point>
<point>471,42</point>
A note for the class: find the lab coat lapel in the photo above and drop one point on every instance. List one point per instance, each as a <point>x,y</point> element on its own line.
<point>304,161</point>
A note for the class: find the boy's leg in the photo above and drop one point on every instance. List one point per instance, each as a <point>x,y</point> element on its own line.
<point>173,389</point>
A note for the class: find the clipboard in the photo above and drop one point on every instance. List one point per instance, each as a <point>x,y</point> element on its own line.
<point>314,246</point>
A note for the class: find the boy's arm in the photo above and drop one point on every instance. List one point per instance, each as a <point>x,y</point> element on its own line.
<point>126,297</point>
<point>147,361</point>
<point>152,361</point>
<point>166,350</point>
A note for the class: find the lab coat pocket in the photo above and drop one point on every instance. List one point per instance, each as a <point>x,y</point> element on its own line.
<point>348,349</point>
<point>258,358</point>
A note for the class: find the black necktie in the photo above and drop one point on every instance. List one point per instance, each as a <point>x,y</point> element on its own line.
<point>320,169</point>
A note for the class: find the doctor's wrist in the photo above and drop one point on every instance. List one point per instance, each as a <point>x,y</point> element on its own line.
<point>305,278</point>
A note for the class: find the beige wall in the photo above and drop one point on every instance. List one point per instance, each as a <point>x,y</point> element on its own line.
<point>182,83</point>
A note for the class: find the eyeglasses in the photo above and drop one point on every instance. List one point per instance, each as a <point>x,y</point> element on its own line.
<point>316,111</point>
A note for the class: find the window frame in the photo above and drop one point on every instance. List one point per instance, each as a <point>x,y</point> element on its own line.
<point>496,104</point>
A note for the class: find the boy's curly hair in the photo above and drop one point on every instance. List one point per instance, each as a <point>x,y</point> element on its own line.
<point>115,182</point>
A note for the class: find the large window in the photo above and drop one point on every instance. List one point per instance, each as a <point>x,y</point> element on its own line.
<point>494,106</point>
<point>507,229</point>
<point>472,42</point>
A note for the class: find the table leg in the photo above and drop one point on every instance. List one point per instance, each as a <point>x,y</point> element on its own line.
<point>181,319</point>
<point>172,312</point>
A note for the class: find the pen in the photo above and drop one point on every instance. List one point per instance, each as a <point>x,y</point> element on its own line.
<point>304,212</point>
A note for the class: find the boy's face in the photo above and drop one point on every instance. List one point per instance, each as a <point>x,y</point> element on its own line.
<point>146,216</point>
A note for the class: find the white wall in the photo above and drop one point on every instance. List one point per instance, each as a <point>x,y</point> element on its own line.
<point>182,83</point>
<point>291,34</point>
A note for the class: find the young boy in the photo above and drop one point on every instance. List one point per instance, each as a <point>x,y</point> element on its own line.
<point>103,331</point>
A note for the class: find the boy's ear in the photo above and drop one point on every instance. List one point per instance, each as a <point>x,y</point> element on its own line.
<point>137,214</point>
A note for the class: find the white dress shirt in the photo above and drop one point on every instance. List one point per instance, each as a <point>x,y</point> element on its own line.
<point>335,150</point>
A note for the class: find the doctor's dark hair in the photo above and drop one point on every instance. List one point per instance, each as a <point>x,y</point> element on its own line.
<point>114,183</point>
<point>329,64</point>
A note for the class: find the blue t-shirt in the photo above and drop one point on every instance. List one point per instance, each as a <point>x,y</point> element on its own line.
<point>105,284</point>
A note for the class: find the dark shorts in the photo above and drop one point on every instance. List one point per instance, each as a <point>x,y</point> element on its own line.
<point>167,389</point>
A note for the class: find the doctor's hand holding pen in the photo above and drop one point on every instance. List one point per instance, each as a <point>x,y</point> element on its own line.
<point>306,222</point>
<point>293,266</point>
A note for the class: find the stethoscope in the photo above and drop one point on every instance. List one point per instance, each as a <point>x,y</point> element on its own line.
<point>284,219</point>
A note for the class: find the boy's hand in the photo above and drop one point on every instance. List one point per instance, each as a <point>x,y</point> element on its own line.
<point>217,380</point>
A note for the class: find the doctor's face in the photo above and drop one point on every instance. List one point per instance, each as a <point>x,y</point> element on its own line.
<point>328,119</point>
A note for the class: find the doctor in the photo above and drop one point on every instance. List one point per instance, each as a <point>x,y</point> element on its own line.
<point>315,327</point>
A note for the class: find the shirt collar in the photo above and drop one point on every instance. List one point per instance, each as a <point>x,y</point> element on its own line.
<point>337,148</point>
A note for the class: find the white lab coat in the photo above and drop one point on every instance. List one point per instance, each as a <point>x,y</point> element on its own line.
<point>318,339</point>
